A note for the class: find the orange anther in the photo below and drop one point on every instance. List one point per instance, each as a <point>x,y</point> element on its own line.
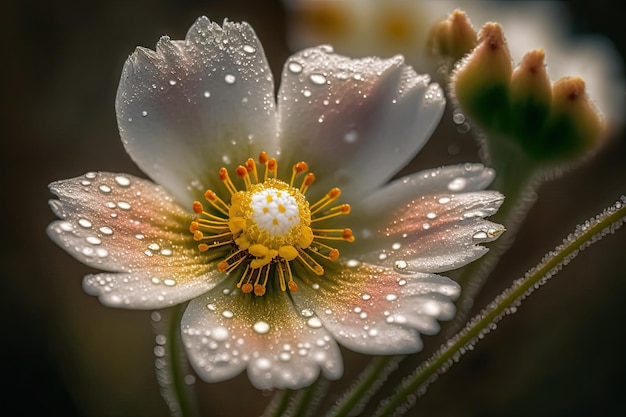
<point>197,207</point>
<point>347,235</point>
<point>334,193</point>
<point>222,266</point>
<point>197,235</point>
<point>193,227</point>
<point>292,286</point>
<point>223,173</point>
<point>259,290</point>
<point>308,180</point>
<point>210,195</point>
<point>272,164</point>
<point>246,288</point>
<point>203,247</point>
<point>345,208</point>
<point>241,171</point>
<point>333,255</point>
<point>263,158</point>
<point>301,166</point>
<point>250,164</point>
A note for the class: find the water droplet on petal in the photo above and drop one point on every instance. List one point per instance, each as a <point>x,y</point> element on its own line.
<point>169,282</point>
<point>318,79</point>
<point>457,184</point>
<point>220,334</point>
<point>84,223</point>
<point>314,323</point>
<point>207,94</point>
<point>93,240</point>
<point>400,265</point>
<point>294,67</point>
<point>105,230</point>
<point>306,93</point>
<point>172,82</point>
<point>431,216</point>
<point>444,200</point>
<point>144,113</point>
<point>261,327</point>
<point>230,79</point>
<point>227,314</point>
<point>391,297</point>
<point>248,49</point>
<point>480,236</point>
<point>104,189</point>
<point>123,205</point>
<point>122,181</point>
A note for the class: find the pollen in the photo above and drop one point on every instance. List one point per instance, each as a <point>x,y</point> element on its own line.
<point>258,229</point>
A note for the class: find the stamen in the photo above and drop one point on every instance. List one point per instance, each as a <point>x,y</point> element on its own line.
<point>251,167</point>
<point>297,168</point>
<point>310,263</point>
<point>242,172</point>
<point>306,183</point>
<point>338,211</point>
<point>216,202</point>
<point>331,196</point>
<point>225,178</point>
<point>258,248</point>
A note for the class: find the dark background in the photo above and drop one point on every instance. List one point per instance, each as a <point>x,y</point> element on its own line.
<point>62,353</point>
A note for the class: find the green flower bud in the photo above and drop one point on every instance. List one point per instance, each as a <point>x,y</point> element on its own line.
<point>451,38</point>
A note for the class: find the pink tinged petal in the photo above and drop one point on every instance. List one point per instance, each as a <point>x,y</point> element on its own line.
<point>196,105</point>
<point>433,233</point>
<point>377,310</point>
<point>356,121</point>
<point>226,332</point>
<point>128,225</point>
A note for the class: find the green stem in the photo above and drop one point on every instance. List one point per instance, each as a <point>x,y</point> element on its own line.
<point>367,384</point>
<point>280,401</point>
<point>173,369</point>
<point>448,354</point>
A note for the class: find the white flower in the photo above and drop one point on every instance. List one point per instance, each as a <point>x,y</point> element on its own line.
<point>267,259</point>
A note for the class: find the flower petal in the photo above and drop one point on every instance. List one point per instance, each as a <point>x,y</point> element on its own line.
<point>227,331</point>
<point>356,121</point>
<point>122,223</point>
<point>433,233</point>
<point>196,105</point>
<point>377,310</point>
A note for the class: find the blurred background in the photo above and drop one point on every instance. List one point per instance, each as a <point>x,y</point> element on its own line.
<point>63,353</point>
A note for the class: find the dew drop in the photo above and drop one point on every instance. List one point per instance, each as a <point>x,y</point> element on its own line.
<point>169,282</point>
<point>444,200</point>
<point>426,226</point>
<point>84,223</point>
<point>431,216</point>
<point>314,323</point>
<point>249,49</point>
<point>139,236</point>
<point>306,313</point>
<point>154,247</point>
<point>261,327</point>
<point>294,67</point>
<point>144,113</point>
<point>91,175</point>
<point>106,230</point>
<point>166,252</point>
<point>400,265</point>
<point>122,181</point>
<point>105,189</point>
<point>457,184</point>
<point>366,297</point>
<point>230,79</point>
<point>123,205</point>
<point>66,227</point>
<point>318,79</point>
<point>211,307</point>
<point>458,117</point>
<point>396,246</point>
<point>93,240</point>
<point>480,236</point>
<point>220,334</point>
<point>172,82</point>
<point>306,93</point>
<point>207,94</point>
<point>284,356</point>
<point>391,297</point>
<point>227,314</point>
<point>155,280</point>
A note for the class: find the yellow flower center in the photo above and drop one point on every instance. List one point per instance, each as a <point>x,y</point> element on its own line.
<point>268,224</point>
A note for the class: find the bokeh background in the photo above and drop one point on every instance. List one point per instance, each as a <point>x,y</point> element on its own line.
<point>62,353</point>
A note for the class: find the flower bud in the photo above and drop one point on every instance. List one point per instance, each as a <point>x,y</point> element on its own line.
<point>451,38</point>
<point>481,82</point>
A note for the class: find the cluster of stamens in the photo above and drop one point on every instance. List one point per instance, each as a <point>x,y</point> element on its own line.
<point>268,224</point>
